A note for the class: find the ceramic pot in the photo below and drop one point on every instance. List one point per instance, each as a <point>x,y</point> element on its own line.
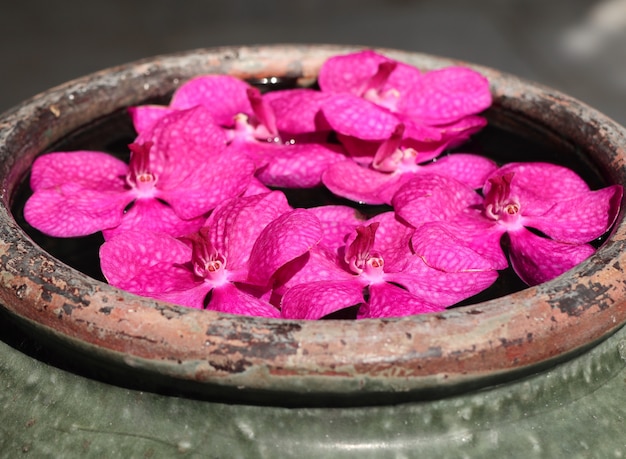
<point>167,379</point>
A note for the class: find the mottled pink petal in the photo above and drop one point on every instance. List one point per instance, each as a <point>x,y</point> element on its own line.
<point>298,165</point>
<point>72,211</point>
<point>539,185</point>
<point>298,110</point>
<point>88,169</point>
<point>357,183</point>
<point>318,299</point>
<point>388,300</point>
<point>392,239</point>
<point>235,225</point>
<point>445,95</point>
<point>440,287</point>
<point>229,299</point>
<point>349,73</point>
<point>431,197</point>
<point>144,117</point>
<point>255,187</point>
<point>209,184</point>
<point>130,261</point>
<point>537,259</point>
<point>353,116</point>
<point>224,96</point>
<point>191,297</point>
<point>287,237</point>
<point>581,218</point>
<point>442,249</point>
<point>182,142</point>
<point>153,215</point>
<point>337,222</point>
<point>469,169</point>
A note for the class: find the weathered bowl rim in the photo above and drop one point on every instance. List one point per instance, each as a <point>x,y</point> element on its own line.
<point>409,357</point>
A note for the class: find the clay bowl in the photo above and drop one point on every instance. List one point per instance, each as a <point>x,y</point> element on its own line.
<point>108,334</point>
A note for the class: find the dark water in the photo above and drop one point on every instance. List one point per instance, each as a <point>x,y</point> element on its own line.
<point>502,140</point>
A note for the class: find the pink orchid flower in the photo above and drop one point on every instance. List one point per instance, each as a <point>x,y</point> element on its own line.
<point>373,94</point>
<point>289,159</point>
<point>374,179</point>
<point>548,212</point>
<point>228,266</point>
<point>383,278</point>
<point>178,171</point>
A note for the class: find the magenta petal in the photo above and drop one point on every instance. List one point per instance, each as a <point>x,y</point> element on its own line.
<point>337,222</point>
<point>392,239</point>
<point>470,169</point>
<point>146,116</point>
<point>222,95</point>
<point>229,299</point>
<point>388,300</point>
<point>284,239</point>
<point>235,225</point>
<point>445,95</point>
<point>298,110</point>
<point>537,259</point>
<point>318,299</point>
<point>357,183</point>
<point>209,184</point>
<point>432,197</point>
<point>72,211</point>
<point>440,287</point>
<point>440,248</point>
<point>353,116</point>
<point>581,218</point>
<point>88,169</point>
<point>152,215</point>
<point>144,261</point>
<point>549,182</point>
<point>299,165</point>
<point>347,73</point>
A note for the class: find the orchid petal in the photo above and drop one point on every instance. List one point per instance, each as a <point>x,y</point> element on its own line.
<point>72,211</point>
<point>357,183</point>
<point>223,95</point>
<point>537,259</point>
<point>299,165</point>
<point>446,95</point>
<point>298,110</point>
<point>581,218</point>
<point>431,197</point>
<point>235,225</point>
<point>353,116</point>
<point>145,261</point>
<point>318,299</point>
<point>440,287</point>
<point>153,215</point>
<point>469,169</point>
<point>284,239</point>
<point>87,169</point>
<point>144,117</point>
<point>388,300</point>
<point>229,299</point>
<point>337,222</point>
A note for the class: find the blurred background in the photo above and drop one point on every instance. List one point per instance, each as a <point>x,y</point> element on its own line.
<point>577,46</point>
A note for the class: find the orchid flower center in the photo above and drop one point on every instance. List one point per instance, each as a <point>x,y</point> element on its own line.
<point>500,204</point>
<point>207,262</point>
<point>374,91</point>
<point>139,175</point>
<point>391,157</point>
<point>359,257</point>
<point>261,127</point>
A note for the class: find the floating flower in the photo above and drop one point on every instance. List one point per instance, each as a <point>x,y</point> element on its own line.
<point>286,159</point>
<point>548,212</point>
<point>226,267</point>
<point>177,173</point>
<point>386,279</point>
<point>393,164</point>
